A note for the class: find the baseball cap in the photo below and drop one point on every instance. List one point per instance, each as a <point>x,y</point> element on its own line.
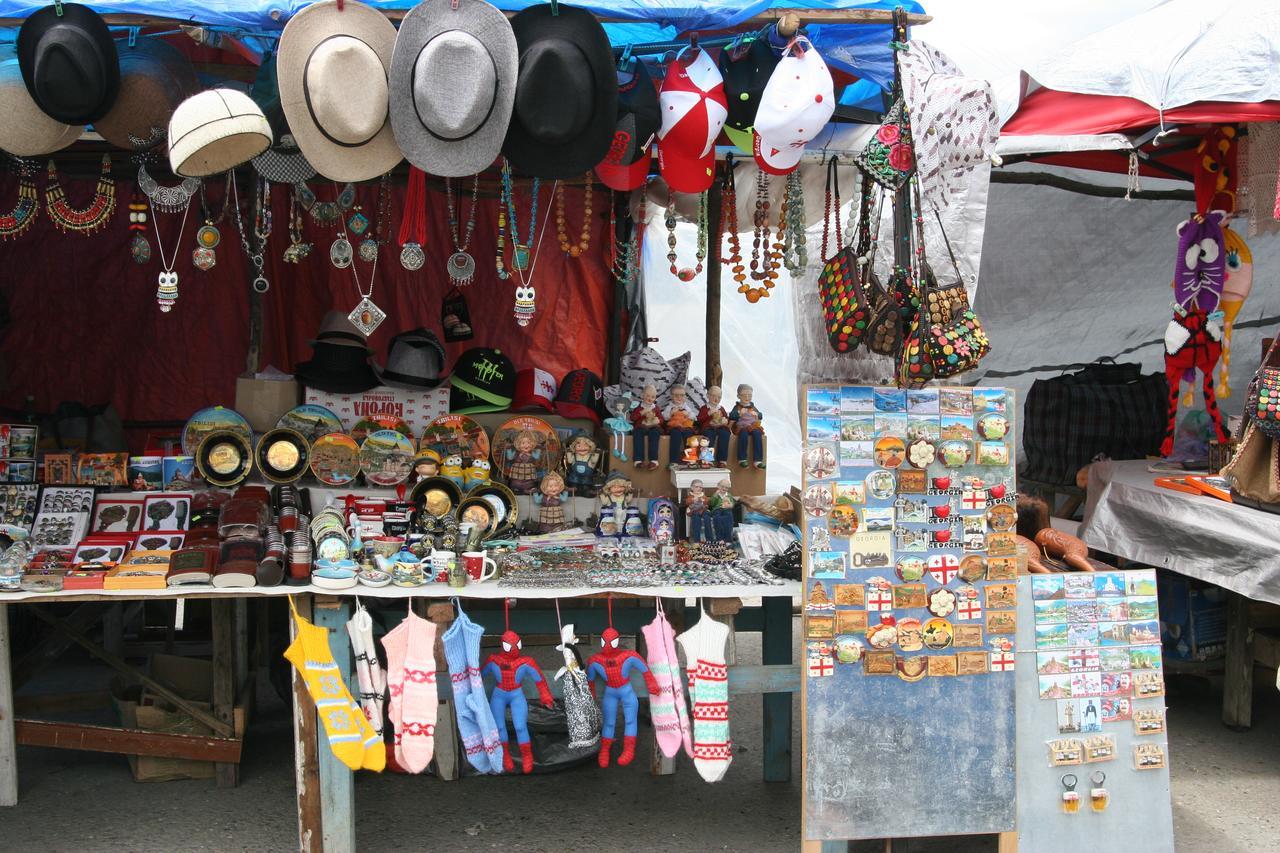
<point>581,395</point>
<point>535,389</point>
<point>694,110</point>
<point>746,67</point>
<point>639,117</point>
<point>794,108</point>
<point>484,380</point>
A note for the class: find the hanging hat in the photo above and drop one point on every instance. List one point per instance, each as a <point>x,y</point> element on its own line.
<point>627,163</point>
<point>339,359</point>
<point>332,68</point>
<point>154,79</point>
<point>415,359</point>
<point>26,130</point>
<point>693,111</point>
<point>483,380</point>
<point>69,63</point>
<point>581,395</point>
<point>283,162</point>
<point>794,108</point>
<point>214,131</point>
<point>566,93</point>
<point>746,67</point>
<point>535,390</point>
<point>453,83</point>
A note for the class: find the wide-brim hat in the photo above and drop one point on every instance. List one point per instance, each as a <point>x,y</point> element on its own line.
<point>154,79</point>
<point>214,131</point>
<point>337,328</point>
<point>69,63</point>
<point>415,359</point>
<point>453,85</point>
<point>283,162</point>
<point>332,67</point>
<point>27,131</point>
<point>639,117</point>
<point>337,369</point>
<point>566,93</point>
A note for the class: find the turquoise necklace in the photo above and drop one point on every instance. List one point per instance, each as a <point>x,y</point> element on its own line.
<point>520,250</point>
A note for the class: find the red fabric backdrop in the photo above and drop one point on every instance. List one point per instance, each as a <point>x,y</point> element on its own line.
<point>84,324</point>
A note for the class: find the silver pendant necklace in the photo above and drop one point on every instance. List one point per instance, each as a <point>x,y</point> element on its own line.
<point>167,291</point>
<point>461,266</point>
<point>166,199</point>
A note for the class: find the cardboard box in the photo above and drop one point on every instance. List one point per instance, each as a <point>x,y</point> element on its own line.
<point>418,408</point>
<point>263,401</point>
<point>1193,618</point>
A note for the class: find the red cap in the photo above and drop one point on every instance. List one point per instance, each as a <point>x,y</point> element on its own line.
<point>625,178</point>
<point>694,109</point>
<point>535,390</point>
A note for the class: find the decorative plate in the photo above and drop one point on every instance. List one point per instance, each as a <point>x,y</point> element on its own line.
<point>436,496</point>
<point>459,435</point>
<point>524,449</point>
<point>213,419</point>
<point>386,457</point>
<point>335,459</point>
<point>224,458</point>
<point>479,512</point>
<point>310,420</point>
<point>366,427</point>
<point>503,500</point>
<point>282,455</point>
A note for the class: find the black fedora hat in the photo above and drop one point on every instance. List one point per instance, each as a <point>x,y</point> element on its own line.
<point>566,93</point>
<point>337,369</point>
<point>69,63</point>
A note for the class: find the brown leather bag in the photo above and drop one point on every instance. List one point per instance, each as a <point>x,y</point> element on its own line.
<point>1255,469</point>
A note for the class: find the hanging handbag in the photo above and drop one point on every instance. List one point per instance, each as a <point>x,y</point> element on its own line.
<point>1263,406</point>
<point>845,311</point>
<point>888,157</point>
<point>944,302</point>
<point>956,344</point>
<point>915,367</point>
<point>1254,471</point>
<point>884,328</point>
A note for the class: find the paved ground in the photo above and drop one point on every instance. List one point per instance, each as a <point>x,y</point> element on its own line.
<point>1225,787</point>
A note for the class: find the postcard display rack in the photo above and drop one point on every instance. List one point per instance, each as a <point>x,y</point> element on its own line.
<point>910,612</point>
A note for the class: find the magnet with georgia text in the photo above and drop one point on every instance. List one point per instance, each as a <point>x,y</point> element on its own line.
<point>968,605</point>
<point>883,635</point>
<point>941,484</point>
<point>943,568</point>
<point>879,594</point>
<point>936,633</point>
<point>941,512</point>
<point>941,536</point>
<point>910,638</point>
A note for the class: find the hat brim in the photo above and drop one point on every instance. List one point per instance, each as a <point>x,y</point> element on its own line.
<point>483,393</point>
<point>687,174</point>
<point>154,78</point>
<point>577,411</point>
<point>26,131</point>
<point>570,158</point>
<point>459,405</point>
<point>401,380</point>
<point>743,140</point>
<point>625,178</point>
<point>336,381</point>
<point>94,28</point>
<point>776,159</point>
<point>452,158</point>
<point>284,165</point>
<point>301,35</point>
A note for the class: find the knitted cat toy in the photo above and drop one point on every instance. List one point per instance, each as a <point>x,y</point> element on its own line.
<point>1193,338</point>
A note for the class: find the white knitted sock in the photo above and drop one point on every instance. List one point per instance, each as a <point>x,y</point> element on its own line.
<point>703,646</point>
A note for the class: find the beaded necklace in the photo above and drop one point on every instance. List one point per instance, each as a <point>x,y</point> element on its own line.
<point>507,223</point>
<point>208,237</point>
<point>686,273</point>
<point>86,220</point>
<point>14,223</point>
<point>584,242</point>
<point>795,255</point>
<point>461,266</point>
<point>766,259</point>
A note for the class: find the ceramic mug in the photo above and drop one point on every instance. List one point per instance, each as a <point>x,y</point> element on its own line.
<point>386,546</point>
<point>476,563</point>
<point>441,563</point>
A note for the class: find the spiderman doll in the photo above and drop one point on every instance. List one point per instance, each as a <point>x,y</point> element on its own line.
<point>615,665</point>
<point>509,669</point>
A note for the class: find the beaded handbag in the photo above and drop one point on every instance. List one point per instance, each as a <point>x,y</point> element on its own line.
<point>1263,406</point>
<point>845,311</point>
<point>888,158</point>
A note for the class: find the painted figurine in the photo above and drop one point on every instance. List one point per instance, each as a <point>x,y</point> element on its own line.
<point>714,424</point>
<point>662,521</point>
<point>690,457</point>
<point>706,452</point>
<point>452,469</point>
<point>697,508</point>
<point>721,505</point>
<point>426,464</point>
<point>477,474</point>
<point>618,514</point>
<point>646,419</point>
<point>582,465</point>
<point>550,499</point>
<point>614,665</point>
<point>524,462</point>
<point>746,419</point>
<point>581,712</point>
<point>510,668</point>
<point>680,416</point>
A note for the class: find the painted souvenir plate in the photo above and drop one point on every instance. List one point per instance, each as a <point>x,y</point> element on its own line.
<point>459,435</point>
<point>478,511</point>
<point>310,420</point>
<point>213,419</point>
<point>435,496</point>
<point>524,449</point>
<point>224,458</point>
<point>335,459</point>
<point>366,427</point>
<point>503,500</point>
<point>282,455</point>
<point>386,457</point>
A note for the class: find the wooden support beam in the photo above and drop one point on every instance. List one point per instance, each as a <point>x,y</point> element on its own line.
<point>714,372</point>
<point>337,782</point>
<point>53,644</point>
<point>223,619</point>
<point>1237,687</point>
<point>306,769</point>
<point>775,649</point>
<point>61,703</point>
<point>127,741</point>
<point>8,743</point>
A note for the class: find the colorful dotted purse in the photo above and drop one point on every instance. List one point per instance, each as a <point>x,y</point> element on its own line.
<point>845,311</point>
<point>1264,397</point>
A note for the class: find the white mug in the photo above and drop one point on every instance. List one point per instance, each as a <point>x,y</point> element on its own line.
<point>442,561</point>
<point>477,563</point>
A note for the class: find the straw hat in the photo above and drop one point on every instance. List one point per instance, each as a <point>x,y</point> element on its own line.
<point>69,62</point>
<point>215,131</point>
<point>453,83</point>
<point>154,79</point>
<point>332,69</point>
<point>26,130</point>
<point>282,163</point>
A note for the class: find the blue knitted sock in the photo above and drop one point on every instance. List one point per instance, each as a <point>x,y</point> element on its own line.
<point>455,652</point>
<point>479,704</point>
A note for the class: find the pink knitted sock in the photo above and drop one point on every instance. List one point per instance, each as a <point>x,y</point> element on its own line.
<point>670,716</point>
<point>394,642</point>
<point>418,699</point>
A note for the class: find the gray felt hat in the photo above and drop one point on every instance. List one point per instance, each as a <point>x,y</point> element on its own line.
<point>453,79</point>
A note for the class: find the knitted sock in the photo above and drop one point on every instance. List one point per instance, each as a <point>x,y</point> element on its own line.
<point>418,701</point>
<point>670,716</point>
<point>709,684</point>
<point>479,704</point>
<point>455,654</point>
<point>373,685</point>
<point>394,642</point>
<point>351,737</point>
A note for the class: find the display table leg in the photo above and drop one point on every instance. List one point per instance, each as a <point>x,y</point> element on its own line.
<point>337,782</point>
<point>1237,688</point>
<point>224,679</point>
<point>8,744</point>
<point>775,645</point>
<point>306,768</point>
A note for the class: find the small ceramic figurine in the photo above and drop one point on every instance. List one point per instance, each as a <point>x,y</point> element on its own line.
<point>478,473</point>
<point>618,514</point>
<point>426,464</point>
<point>690,457</point>
<point>550,499</point>
<point>679,416</point>
<point>646,418</point>
<point>721,505</point>
<point>581,465</point>
<point>452,469</point>
<point>714,423</point>
<point>697,510</point>
<point>706,453</point>
<point>524,462</point>
<point>620,424</point>
<point>746,421</point>
<point>662,521</point>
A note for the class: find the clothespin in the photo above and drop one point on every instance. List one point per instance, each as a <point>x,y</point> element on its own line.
<point>133,36</point>
<point>57,7</point>
<point>555,7</point>
<point>626,62</point>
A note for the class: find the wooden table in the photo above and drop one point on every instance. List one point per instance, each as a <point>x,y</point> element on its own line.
<point>325,790</point>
